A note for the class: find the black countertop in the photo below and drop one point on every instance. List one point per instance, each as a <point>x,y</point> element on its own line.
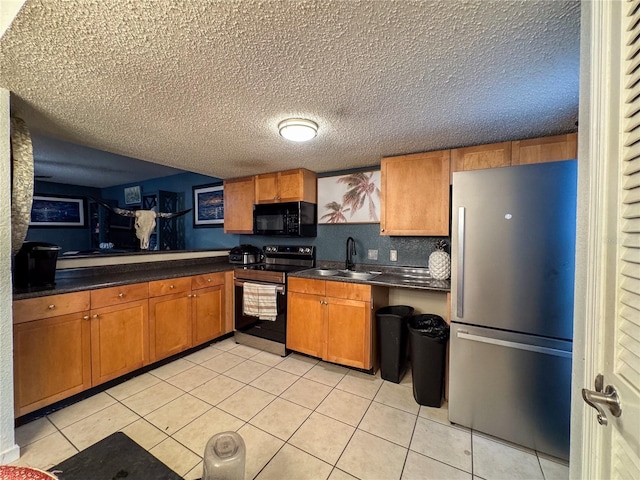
<point>77,279</point>
<point>90,278</point>
<point>384,276</point>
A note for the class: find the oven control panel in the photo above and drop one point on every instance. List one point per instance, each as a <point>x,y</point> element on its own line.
<point>293,250</point>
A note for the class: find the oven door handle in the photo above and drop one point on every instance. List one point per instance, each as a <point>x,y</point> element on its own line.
<point>279,288</point>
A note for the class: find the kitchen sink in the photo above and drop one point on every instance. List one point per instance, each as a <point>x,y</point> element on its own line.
<point>356,275</point>
<point>326,272</point>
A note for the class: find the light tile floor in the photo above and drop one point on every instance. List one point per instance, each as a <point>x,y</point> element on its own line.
<point>299,418</point>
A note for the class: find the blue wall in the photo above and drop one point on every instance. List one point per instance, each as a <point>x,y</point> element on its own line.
<point>330,242</point>
<point>195,238</point>
<point>69,238</point>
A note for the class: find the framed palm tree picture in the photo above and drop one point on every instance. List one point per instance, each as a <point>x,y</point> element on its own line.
<point>349,198</point>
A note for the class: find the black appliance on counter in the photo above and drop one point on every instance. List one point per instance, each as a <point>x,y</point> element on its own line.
<point>279,260</point>
<point>288,219</point>
<point>245,254</point>
<point>35,265</point>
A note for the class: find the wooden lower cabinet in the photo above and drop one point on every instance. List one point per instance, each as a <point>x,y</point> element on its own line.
<point>305,323</point>
<point>333,320</point>
<point>119,340</point>
<point>170,325</point>
<point>67,343</point>
<point>348,332</point>
<point>208,308</point>
<point>51,360</point>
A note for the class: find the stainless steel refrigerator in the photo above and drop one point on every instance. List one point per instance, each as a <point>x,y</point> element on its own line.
<point>513,247</point>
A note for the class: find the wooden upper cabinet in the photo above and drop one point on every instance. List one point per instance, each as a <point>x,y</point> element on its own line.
<point>545,149</point>
<point>481,156</point>
<point>239,194</point>
<point>415,194</point>
<point>287,186</point>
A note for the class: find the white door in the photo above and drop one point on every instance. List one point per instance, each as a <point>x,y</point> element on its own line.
<point>612,222</point>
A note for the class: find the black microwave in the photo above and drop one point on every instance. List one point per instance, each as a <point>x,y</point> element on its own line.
<point>289,219</point>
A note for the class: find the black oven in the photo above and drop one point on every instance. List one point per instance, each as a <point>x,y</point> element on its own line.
<point>288,219</point>
<point>275,330</point>
<point>268,334</point>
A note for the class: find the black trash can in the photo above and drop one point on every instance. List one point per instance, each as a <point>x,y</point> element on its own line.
<point>35,265</point>
<point>392,340</point>
<point>428,336</point>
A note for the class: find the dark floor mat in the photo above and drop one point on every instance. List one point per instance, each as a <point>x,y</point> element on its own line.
<point>116,457</point>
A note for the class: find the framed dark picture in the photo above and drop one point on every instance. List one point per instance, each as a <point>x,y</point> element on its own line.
<point>132,195</point>
<point>49,211</point>
<point>208,205</point>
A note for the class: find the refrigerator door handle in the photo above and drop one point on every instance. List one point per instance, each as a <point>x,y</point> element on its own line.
<point>460,275</point>
<point>516,345</point>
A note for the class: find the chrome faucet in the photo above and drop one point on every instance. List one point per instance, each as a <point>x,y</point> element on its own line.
<point>349,264</point>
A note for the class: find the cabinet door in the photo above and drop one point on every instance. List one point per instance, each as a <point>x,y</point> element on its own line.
<point>415,194</point>
<point>51,360</point>
<point>170,325</point>
<point>119,340</point>
<point>348,333</point>
<point>208,310</point>
<point>545,149</point>
<point>267,190</point>
<point>228,302</point>
<point>305,323</point>
<point>239,194</point>
<point>481,156</point>
<point>298,185</point>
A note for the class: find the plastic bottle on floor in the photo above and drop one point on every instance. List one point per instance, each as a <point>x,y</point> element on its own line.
<point>224,457</point>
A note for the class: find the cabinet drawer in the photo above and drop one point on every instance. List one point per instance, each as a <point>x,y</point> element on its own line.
<point>207,280</point>
<point>121,294</point>
<point>306,285</point>
<point>50,306</point>
<point>351,291</point>
<point>170,285</point>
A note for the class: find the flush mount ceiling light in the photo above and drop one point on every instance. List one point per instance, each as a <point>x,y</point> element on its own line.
<point>298,129</point>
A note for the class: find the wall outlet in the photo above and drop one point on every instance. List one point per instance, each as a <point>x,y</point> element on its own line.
<point>372,254</point>
<point>393,255</point>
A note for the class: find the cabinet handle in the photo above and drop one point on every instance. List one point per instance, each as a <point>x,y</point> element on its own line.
<point>86,317</point>
<point>95,315</point>
<point>189,295</point>
<point>52,306</point>
<point>171,286</point>
<point>382,229</point>
<point>194,295</point>
<point>121,295</point>
<point>209,280</point>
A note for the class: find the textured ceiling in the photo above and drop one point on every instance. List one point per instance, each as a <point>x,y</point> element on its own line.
<point>200,85</point>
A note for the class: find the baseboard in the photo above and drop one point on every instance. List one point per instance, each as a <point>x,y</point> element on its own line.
<point>10,455</point>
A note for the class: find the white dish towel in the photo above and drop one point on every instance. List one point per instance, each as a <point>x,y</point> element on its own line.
<point>260,300</point>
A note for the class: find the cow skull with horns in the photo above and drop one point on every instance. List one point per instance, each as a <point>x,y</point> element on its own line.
<point>145,220</point>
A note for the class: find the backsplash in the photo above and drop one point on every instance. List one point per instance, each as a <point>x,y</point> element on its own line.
<point>331,244</point>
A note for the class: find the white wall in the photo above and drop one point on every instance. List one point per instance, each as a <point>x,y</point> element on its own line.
<point>422,301</point>
<point>9,451</point>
